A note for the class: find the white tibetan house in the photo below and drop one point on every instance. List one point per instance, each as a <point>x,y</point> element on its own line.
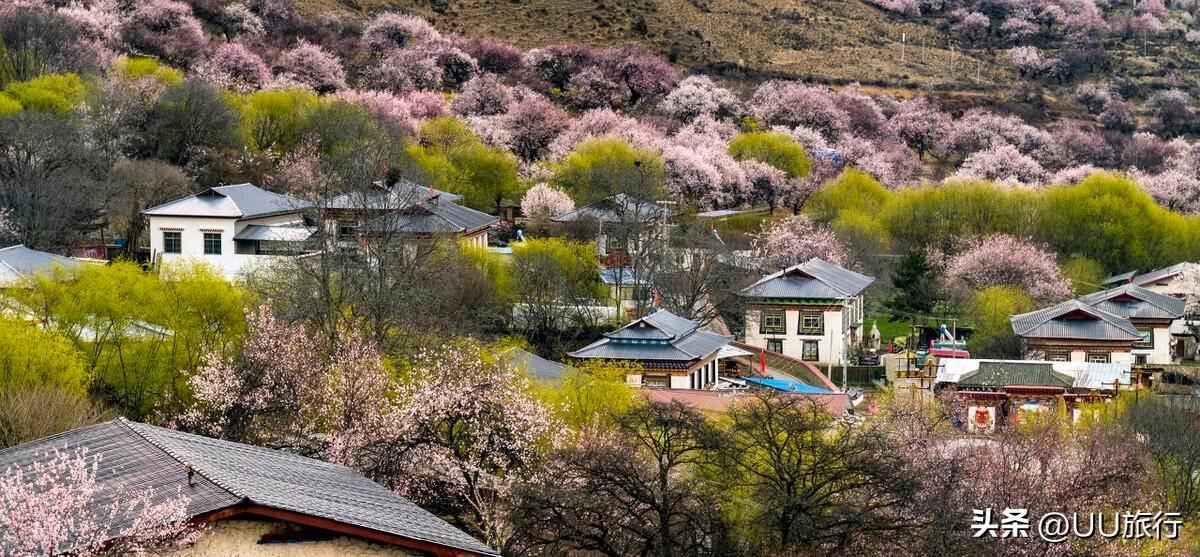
<point>229,228</point>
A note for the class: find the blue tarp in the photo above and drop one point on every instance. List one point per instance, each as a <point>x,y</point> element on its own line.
<point>786,385</point>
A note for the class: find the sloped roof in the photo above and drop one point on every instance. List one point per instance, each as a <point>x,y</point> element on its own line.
<point>661,335</point>
<point>615,209</point>
<point>537,366</point>
<point>139,456</point>
<point>432,217</point>
<point>243,201</point>
<point>1119,279</point>
<point>1134,302</point>
<point>1159,274</point>
<point>1014,373</point>
<point>609,275</point>
<point>402,194</point>
<point>813,279</point>
<point>1074,319</point>
<point>17,262</point>
<point>275,233</point>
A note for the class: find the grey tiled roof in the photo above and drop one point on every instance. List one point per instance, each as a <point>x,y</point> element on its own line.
<point>432,217</point>
<point>1013,373</point>
<point>1159,274</point>
<point>402,194</point>
<point>1074,319</point>
<point>242,201</point>
<point>661,335</point>
<point>1134,302</point>
<point>136,456</point>
<point>813,279</point>
<point>1119,279</point>
<point>537,366</point>
<point>19,261</point>
<point>616,209</point>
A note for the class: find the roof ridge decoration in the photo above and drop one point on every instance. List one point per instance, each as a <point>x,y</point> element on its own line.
<point>128,424</point>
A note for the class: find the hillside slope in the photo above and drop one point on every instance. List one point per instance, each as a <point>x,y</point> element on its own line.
<point>831,41</point>
<point>824,40</point>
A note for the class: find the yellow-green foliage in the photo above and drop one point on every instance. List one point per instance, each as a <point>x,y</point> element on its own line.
<point>1085,274</point>
<point>494,266</point>
<point>458,162</point>
<point>595,391</point>
<point>132,69</point>
<point>554,269</point>
<point>602,167</point>
<point>8,105</point>
<point>275,119</point>
<point>32,356</point>
<point>57,93</point>
<point>1105,217</point>
<point>773,148</point>
<point>139,335</point>
<point>991,309</point>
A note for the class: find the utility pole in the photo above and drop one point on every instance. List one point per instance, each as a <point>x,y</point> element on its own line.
<point>903,39</point>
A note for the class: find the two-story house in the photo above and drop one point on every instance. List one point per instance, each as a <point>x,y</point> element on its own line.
<point>1069,332</point>
<point>229,228</point>
<point>664,350</point>
<point>812,311</point>
<point>1167,280</point>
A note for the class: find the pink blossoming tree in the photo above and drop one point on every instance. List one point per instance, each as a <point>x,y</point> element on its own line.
<point>285,391</point>
<point>233,66</point>
<point>541,202</point>
<point>165,28</point>
<point>794,240</point>
<point>390,30</point>
<point>791,103</point>
<point>58,507</point>
<point>699,96</point>
<point>314,66</point>
<point>1003,260</point>
<point>460,431</point>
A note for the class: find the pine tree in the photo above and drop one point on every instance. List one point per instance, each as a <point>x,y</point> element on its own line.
<point>916,286</point>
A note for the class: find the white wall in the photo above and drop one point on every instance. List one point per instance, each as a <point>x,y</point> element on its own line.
<point>228,263</point>
<point>829,343</point>
<point>1161,353</point>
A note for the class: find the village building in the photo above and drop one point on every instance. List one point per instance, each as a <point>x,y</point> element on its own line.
<point>1127,323</point>
<point>812,311</point>
<point>1150,312</point>
<point>997,393</point>
<point>624,225</point>
<point>1168,281</point>
<point>1074,331</point>
<point>253,498</point>
<point>403,209</point>
<point>664,350</point>
<point>231,229</point>
<point>18,264</point>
